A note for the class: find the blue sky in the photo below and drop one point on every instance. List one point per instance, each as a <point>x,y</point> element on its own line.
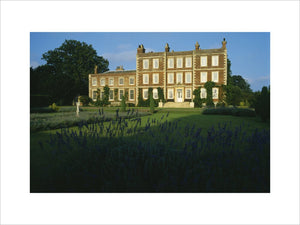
<point>249,52</point>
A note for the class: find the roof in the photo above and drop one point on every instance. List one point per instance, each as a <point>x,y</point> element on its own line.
<point>120,71</point>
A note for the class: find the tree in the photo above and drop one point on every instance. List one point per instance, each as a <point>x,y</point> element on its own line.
<point>233,95</point>
<point>262,107</point>
<point>237,89</point>
<point>229,73</point>
<point>70,65</point>
<point>240,82</point>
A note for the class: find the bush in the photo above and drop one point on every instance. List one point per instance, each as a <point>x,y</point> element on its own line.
<point>262,107</point>
<point>123,104</point>
<point>229,111</point>
<point>54,107</point>
<point>41,110</point>
<point>86,100</point>
<point>40,100</point>
<point>220,104</point>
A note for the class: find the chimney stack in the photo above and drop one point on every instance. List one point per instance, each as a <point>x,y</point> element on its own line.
<point>224,42</point>
<point>141,49</point>
<point>119,68</point>
<point>197,46</point>
<point>167,48</point>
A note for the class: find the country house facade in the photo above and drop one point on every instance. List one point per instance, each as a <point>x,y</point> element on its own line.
<point>178,74</point>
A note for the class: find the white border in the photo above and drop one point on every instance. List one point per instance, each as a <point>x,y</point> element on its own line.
<point>18,206</point>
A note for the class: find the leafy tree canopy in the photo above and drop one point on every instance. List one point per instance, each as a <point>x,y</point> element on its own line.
<point>68,67</point>
<point>240,82</point>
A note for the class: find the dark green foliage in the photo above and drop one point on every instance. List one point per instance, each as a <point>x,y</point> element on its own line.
<point>105,101</point>
<point>208,86</point>
<point>233,95</point>
<point>237,91</point>
<point>229,72</point>
<point>123,104</point>
<point>141,101</point>
<point>106,96</point>
<point>65,74</point>
<point>130,104</point>
<point>116,91</point>
<point>40,100</point>
<point>41,110</point>
<point>229,111</point>
<point>197,100</point>
<point>86,100</point>
<point>152,104</point>
<point>262,107</point>
<point>240,82</point>
<point>161,94</point>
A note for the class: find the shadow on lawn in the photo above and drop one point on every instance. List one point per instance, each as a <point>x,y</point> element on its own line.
<point>160,156</point>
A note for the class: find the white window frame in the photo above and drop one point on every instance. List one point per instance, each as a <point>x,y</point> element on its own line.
<point>131,99</point>
<point>203,77</point>
<point>111,99</point>
<point>153,78</point>
<point>145,63</point>
<point>203,91</point>
<point>120,96</point>
<point>155,93</point>
<point>94,81</point>
<point>102,81</point>
<point>172,91</point>
<point>155,63</point>
<point>170,62</point>
<point>130,79</point>
<point>186,91</point>
<point>146,78</point>
<point>203,60</point>
<point>215,60</point>
<point>215,76</point>
<point>170,81</point>
<point>188,62</point>
<point>215,90</point>
<point>179,62</point>
<point>177,76</point>
<point>121,78</point>
<point>94,90</point>
<point>186,75</point>
<point>111,83</point>
<point>144,91</point>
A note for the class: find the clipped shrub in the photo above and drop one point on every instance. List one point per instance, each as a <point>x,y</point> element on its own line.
<point>40,100</point>
<point>151,103</point>
<point>41,110</point>
<point>197,100</point>
<point>54,107</point>
<point>86,100</point>
<point>229,111</point>
<point>123,104</point>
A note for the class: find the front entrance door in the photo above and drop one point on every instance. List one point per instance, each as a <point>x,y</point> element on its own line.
<point>179,95</point>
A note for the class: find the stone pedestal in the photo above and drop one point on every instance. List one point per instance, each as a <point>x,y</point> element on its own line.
<point>77,110</point>
<point>160,104</point>
<point>192,104</point>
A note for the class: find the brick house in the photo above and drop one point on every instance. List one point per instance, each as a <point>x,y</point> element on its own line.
<point>177,73</point>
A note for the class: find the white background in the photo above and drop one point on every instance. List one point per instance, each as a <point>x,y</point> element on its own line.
<point>280,18</point>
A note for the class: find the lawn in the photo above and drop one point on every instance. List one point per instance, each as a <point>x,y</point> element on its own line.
<point>173,150</point>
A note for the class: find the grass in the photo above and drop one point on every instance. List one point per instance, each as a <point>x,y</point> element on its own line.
<point>173,150</point>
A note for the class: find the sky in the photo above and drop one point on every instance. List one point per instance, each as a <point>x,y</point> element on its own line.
<point>249,52</point>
